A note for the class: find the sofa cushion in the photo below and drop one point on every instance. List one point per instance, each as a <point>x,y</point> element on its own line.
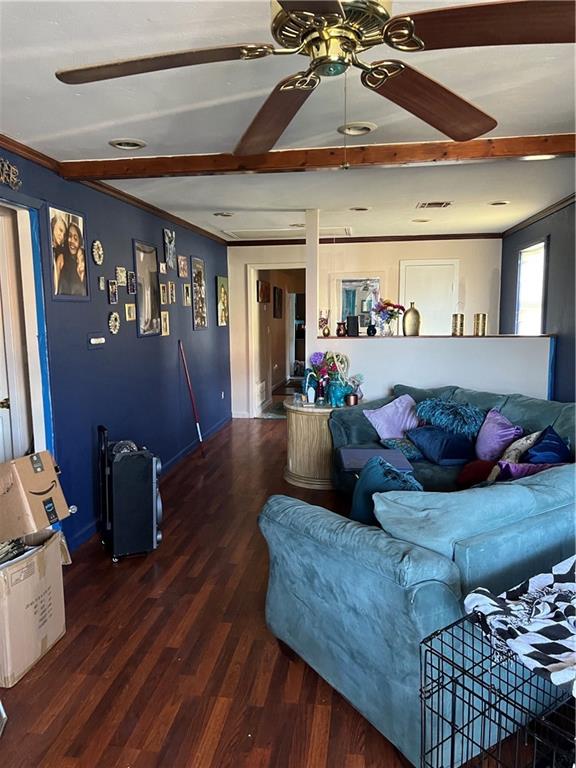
<point>495,435</point>
<point>438,520</point>
<point>483,400</point>
<point>548,449</point>
<point>393,419</point>
<point>377,476</point>
<point>459,418</point>
<point>419,394</point>
<point>535,415</point>
<point>441,447</point>
<point>432,477</point>
<point>349,427</point>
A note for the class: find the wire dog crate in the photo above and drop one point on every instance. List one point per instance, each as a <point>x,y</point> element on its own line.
<point>483,708</point>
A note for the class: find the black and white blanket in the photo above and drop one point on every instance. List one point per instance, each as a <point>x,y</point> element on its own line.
<point>536,620</point>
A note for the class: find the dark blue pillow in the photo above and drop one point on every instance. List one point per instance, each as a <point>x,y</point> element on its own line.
<point>441,447</point>
<point>377,476</point>
<point>548,449</point>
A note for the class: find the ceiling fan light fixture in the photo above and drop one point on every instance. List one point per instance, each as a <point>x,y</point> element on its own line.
<point>128,145</point>
<point>357,128</point>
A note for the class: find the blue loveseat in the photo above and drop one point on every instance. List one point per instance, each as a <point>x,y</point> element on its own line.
<point>355,601</point>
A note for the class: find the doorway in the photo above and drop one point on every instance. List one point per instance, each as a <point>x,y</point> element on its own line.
<point>279,338</point>
<point>22,396</point>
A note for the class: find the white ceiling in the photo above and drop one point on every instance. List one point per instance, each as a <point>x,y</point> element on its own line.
<point>205,109</point>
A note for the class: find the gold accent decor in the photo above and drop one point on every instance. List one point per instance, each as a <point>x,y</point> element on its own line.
<point>378,74</point>
<point>458,324</point>
<point>302,81</point>
<point>480,323</point>
<point>256,51</point>
<point>399,33</point>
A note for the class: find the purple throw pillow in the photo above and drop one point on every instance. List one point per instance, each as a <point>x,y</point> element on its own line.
<point>510,471</point>
<point>394,419</point>
<point>495,435</point>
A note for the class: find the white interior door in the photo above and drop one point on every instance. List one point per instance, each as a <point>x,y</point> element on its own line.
<point>433,287</point>
<point>15,420</point>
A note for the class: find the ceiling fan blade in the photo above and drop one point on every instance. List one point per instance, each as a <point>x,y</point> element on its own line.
<point>317,7</point>
<point>512,22</point>
<point>160,61</point>
<point>428,100</point>
<point>276,113</point>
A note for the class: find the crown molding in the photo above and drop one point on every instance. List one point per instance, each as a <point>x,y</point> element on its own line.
<point>22,150</point>
<point>371,239</point>
<point>554,208</point>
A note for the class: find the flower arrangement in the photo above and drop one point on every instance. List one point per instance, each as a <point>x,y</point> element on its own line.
<point>387,311</point>
<point>328,373</point>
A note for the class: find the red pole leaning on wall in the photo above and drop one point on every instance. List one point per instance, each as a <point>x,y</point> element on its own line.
<point>192,398</point>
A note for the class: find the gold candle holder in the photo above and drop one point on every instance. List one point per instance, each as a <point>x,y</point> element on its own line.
<point>480,322</point>
<point>458,324</point>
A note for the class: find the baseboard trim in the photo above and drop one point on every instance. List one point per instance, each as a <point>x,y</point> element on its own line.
<point>240,415</point>
<point>195,444</point>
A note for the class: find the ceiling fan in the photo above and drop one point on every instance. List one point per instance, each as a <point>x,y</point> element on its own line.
<point>332,33</point>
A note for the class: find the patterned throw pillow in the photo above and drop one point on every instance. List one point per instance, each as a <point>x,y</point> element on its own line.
<point>458,418</point>
<point>512,454</point>
<point>405,446</point>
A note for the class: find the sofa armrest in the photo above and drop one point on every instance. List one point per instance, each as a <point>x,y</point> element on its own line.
<point>349,426</point>
<point>371,548</point>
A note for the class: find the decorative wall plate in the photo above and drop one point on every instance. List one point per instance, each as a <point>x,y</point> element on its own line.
<point>114,322</point>
<point>97,252</point>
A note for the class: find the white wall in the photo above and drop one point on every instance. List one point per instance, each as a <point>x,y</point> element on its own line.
<point>506,364</point>
<point>479,271</point>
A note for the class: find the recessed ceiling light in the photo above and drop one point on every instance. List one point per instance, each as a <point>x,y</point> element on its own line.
<point>127,144</point>
<point>500,202</point>
<point>538,157</point>
<point>357,129</point>
<point>421,221</point>
<point>359,208</point>
<point>223,214</point>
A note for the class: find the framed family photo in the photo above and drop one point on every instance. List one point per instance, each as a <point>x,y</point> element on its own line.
<point>69,266</point>
<point>147,289</point>
<point>182,266</point>
<point>199,309</point>
<point>222,300</point>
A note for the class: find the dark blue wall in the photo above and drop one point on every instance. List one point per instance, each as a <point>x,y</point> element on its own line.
<point>559,300</point>
<point>134,386</point>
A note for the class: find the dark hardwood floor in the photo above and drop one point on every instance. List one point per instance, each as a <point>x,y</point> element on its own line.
<point>167,660</point>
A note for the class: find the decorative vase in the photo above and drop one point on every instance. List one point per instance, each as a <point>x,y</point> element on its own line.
<point>458,324</point>
<point>341,329</point>
<point>411,321</point>
<point>386,329</point>
<point>371,330</point>
<point>325,331</point>
<point>480,323</point>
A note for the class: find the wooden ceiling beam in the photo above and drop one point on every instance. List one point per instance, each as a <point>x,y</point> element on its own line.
<point>293,160</point>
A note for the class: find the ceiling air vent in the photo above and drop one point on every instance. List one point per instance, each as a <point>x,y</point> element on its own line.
<point>435,204</point>
<point>284,234</point>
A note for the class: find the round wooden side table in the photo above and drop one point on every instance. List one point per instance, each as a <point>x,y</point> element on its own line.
<point>309,446</point>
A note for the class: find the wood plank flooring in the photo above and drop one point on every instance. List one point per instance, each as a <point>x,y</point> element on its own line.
<point>167,662</point>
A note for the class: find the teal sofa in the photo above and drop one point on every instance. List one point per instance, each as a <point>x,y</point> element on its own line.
<point>355,601</point>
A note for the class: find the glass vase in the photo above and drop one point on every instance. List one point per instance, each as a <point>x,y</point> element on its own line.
<point>386,329</point>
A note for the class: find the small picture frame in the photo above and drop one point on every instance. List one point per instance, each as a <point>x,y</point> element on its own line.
<point>183,266</point>
<point>165,322</point>
<point>131,283</point>
<point>130,311</point>
<point>278,301</point>
<point>222,300</point>
<point>101,283</point>
<point>262,291</point>
<point>162,267</point>
<point>170,248</point>
<point>163,293</point>
<point>121,276</point>
<point>171,293</point>
<point>187,295</point>
<point>112,292</point>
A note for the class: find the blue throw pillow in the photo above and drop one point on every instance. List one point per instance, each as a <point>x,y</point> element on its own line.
<point>405,446</point>
<point>460,418</point>
<point>377,476</point>
<point>441,447</point>
<point>548,449</point>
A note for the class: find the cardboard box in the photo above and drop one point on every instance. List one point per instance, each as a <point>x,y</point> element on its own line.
<point>30,496</point>
<point>31,607</point>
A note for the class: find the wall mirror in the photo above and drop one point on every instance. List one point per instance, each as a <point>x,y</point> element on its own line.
<point>353,295</point>
<point>148,289</point>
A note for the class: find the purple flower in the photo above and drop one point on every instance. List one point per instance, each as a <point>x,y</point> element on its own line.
<point>316,358</point>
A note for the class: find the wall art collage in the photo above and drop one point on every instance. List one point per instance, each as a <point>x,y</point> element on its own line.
<point>142,285</point>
